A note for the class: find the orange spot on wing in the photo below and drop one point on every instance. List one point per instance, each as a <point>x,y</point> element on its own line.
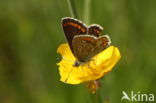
<point>104,41</point>
<point>68,23</point>
<point>71,23</point>
<point>88,39</point>
<point>97,31</point>
<point>65,24</point>
<point>83,30</point>
<point>75,25</point>
<point>79,26</point>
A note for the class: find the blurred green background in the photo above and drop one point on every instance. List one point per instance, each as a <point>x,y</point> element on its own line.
<point>30,32</point>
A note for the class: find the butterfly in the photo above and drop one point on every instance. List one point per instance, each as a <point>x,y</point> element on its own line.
<point>84,41</point>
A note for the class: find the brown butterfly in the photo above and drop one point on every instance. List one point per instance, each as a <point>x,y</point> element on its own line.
<point>84,42</point>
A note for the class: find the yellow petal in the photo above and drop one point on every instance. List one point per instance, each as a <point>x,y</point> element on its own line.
<point>96,68</point>
<point>65,52</point>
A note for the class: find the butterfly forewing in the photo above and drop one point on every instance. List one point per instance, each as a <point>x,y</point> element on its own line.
<point>72,27</point>
<point>87,46</point>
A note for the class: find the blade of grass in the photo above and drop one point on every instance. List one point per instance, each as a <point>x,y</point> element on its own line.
<point>72,8</point>
<point>87,5</point>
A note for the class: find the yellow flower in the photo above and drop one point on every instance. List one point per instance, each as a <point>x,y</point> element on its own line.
<point>94,69</point>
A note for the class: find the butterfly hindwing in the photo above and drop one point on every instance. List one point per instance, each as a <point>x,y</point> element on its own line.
<point>94,29</point>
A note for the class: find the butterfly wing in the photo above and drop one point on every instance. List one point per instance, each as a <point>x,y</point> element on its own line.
<point>72,27</point>
<point>87,46</point>
<point>94,29</point>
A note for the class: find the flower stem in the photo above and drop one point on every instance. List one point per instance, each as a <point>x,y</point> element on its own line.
<point>87,5</point>
<point>94,87</point>
<point>95,98</point>
<point>72,8</point>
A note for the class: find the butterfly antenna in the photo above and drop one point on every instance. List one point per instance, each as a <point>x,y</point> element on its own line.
<point>64,58</point>
<point>69,74</point>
